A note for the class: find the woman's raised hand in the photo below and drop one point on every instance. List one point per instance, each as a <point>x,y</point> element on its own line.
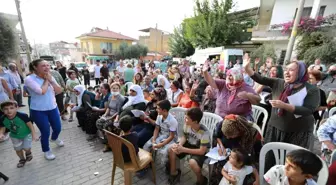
<point>206,66</point>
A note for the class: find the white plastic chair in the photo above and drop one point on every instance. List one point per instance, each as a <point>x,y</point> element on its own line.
<point>179,113</point>
<point>257,111</point>
<point>258,129</point>
<point>283,148</point>
<point>332,111</point>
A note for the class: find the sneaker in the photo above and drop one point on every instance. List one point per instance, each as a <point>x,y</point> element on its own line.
<point>5,138</point>
<point>49,155</point>
<point>58,142</point>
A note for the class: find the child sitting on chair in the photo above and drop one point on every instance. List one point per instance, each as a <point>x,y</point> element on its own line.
<point>165,132</point>
<point>300,167</point>
<point>125,124</point>
<point>236,169</point>
<point>194,142</point>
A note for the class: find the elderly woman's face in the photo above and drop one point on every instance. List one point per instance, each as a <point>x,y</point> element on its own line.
<point>77,92</point>
<point>229,78</point>
<point>291,73</point>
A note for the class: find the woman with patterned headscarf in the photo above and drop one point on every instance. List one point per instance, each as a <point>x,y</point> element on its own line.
<point>234,132</point>
<point>293,102</point>
<point>234,96</point>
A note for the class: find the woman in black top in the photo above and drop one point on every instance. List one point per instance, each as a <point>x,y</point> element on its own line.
<point>61,69</point>
<point>142,126</point>
<point>315,78</point>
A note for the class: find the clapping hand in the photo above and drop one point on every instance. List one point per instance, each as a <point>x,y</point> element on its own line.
<point>246,61</point>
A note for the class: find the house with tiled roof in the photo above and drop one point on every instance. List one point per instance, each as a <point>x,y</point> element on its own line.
<point>100,44</point>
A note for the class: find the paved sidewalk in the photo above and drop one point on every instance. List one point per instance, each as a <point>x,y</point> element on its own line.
<point>75,163</point>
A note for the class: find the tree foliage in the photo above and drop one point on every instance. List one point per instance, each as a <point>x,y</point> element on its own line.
<point>179,45</point>
<point>134,51</point>
<point>213,26</point>
<point>264,51</point>
<point>326,52</point>
<point>8,42</point>
<point>311,40</point>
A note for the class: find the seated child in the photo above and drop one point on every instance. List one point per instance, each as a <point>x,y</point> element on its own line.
<point>22,131</point>
<point>194,142</point>
<point>300,167</point>
<point>165,132</point>
<point>125,124</point>
<point>237,167</point>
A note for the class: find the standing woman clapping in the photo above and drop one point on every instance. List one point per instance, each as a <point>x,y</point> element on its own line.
<point>42,88</point>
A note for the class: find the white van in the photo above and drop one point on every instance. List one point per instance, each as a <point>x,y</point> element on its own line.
<point>224,56</point>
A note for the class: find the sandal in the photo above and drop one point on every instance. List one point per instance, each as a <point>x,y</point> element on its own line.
<point>29,156</point>
<point>21,163</point>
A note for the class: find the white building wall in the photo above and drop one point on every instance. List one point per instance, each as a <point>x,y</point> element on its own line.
<point>284,10</point>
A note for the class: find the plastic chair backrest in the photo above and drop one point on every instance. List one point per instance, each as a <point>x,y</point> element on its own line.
<point>257,111</point>
<point>333,157</point>
<point>210,120</point>
<point>332,111</point>
<point>179,113</point>
<point>280,150</point>
<point>254,125</point>
<point>115,142</point>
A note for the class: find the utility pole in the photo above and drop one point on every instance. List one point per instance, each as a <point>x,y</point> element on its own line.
<point>156,35</point>
<point>294,32</point>
<point>17,3</point>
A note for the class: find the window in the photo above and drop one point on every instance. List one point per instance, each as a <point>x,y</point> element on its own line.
<point>305,13</point>
<point>106,47</point>
<point>321,12</point>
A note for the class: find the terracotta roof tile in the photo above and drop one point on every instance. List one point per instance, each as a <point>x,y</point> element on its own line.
<point>108,34</point>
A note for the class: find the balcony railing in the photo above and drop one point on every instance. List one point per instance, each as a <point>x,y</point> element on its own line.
<point>264,31</point>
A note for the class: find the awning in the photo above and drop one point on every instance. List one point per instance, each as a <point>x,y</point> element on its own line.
<point>97,57</point>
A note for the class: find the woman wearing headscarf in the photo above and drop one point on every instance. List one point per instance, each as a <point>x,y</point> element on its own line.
<point>234,132</point>
<point>289,122</point>
<point>234,96</point>
<point>143,126</point>
<point>83,101</point>
<point>136,101</point>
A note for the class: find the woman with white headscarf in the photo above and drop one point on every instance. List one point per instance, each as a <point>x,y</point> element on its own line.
<point>83,101</point>
<point>136,101</point>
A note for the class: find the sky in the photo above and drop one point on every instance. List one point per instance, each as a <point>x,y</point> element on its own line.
<point>54,20</point>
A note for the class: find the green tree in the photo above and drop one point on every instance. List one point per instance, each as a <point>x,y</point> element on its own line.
<point>8,42</point>
<point>264,51</point>
<point>311,40</point>
<point>213,25</point>
<point>325,52</point>
<point>179,45</point>
<point>134,51</point>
